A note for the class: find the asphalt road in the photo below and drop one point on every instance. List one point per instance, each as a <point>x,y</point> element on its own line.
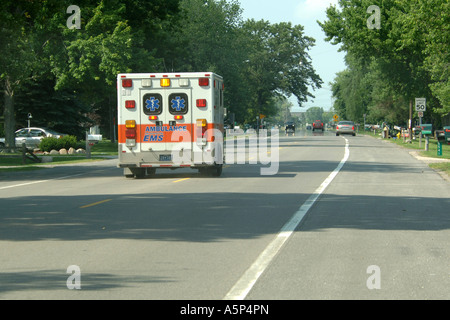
<point>312,231</point>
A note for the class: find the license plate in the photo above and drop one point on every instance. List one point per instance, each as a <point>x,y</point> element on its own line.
<point>165,157</point>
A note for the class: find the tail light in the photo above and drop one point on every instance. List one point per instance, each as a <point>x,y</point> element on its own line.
<point>201,127</point>
<point>130,133</point>
<point>353,128</point>
<point>130,124</point>
<point>337,127</point>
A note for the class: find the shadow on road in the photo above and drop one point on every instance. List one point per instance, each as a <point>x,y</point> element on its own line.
<point>205,217</point>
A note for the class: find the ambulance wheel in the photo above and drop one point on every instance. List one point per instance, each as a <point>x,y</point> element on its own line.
<point>128,173</point>
<point>216,171</point>
<point>139,173</point>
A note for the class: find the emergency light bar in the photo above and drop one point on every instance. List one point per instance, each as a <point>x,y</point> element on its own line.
<point>201,103</point>
<point>165,82</point>
<point>146,82</point>
<point>127,83</point>
<point>130,104</point>
<point>203,82</point>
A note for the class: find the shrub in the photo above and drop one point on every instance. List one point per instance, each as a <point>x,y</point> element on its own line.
<point>47,144</point>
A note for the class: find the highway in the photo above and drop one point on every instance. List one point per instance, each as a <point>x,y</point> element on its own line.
<point>343,218</point>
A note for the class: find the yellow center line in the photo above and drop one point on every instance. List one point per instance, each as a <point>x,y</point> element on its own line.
<point>95,203</point>
<point>181,180</point>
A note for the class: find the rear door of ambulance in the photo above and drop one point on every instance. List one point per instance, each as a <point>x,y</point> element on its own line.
<point>166,120</point>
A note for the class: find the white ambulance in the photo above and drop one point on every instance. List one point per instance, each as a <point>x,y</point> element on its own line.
<point>170,120</point>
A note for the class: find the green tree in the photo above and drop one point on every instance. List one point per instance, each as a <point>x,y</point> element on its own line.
<point>313,114</point>
<point>411,57</point>
<point>210,38</point>
<point>18,61</point>
<point>278,64</point>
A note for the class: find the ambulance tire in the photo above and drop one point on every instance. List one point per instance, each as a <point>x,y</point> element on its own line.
<point>139,173</point>
<point>203,171</point>
<point>151,171</point>
<point>216,171</point>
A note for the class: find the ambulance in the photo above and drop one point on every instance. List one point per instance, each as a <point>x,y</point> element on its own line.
<point>170,121</point>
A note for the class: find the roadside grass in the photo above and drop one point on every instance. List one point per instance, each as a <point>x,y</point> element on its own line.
<point>432,148</point>
<point>105,147</point>
<point>431,153</point>
<point>444,167</point>
<point>99,151</point>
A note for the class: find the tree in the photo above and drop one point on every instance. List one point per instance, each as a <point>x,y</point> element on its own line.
<point>80,64</point>
<point>411,58</point>
<point>313,114</point>
<point>18,62</point>
<point>278,64</point>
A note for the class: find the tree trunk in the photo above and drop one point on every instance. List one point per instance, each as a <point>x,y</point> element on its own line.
<point>10,121</point>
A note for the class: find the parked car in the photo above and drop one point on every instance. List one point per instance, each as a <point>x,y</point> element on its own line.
<point>345,127</point>
<point>32,137</point>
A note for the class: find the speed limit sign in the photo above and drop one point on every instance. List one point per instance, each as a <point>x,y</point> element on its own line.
<point>421,104</point>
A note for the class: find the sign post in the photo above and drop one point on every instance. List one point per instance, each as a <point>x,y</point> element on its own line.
<point>420,124</point>
<point>421,107</point>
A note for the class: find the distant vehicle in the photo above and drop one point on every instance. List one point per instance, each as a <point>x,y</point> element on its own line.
<point>290,128</point>
<point>345,127</point>
<point>317,125</point>
<point>32,137</point>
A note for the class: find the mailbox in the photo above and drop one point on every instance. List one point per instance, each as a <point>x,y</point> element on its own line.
<point>447,134</point>
<point>440,135</point>
<point>426,129</point>
<point>94,137</point>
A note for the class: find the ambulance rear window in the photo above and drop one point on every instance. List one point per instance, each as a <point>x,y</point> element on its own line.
<point>178,103</point>
<point>152,104</point>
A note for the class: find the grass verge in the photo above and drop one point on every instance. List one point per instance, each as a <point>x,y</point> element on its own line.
<point>100,151</point>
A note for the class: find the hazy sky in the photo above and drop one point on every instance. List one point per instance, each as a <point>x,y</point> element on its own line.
<point>326,59</point>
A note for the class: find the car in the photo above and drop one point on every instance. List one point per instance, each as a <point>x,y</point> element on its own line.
<point>32,137</point>
<point>290,128</point>
<point>345,127</point>
<point>317,125</point>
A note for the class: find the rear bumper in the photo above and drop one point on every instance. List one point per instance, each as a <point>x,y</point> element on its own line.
<point>345,131</point>
<point>151,160</point>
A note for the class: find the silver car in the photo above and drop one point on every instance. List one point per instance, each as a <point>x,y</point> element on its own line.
<point>345,127</point>
<point>32,137</point>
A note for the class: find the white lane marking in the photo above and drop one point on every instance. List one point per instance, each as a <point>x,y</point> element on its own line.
<point>40,181</point>
<point>248,280</point>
